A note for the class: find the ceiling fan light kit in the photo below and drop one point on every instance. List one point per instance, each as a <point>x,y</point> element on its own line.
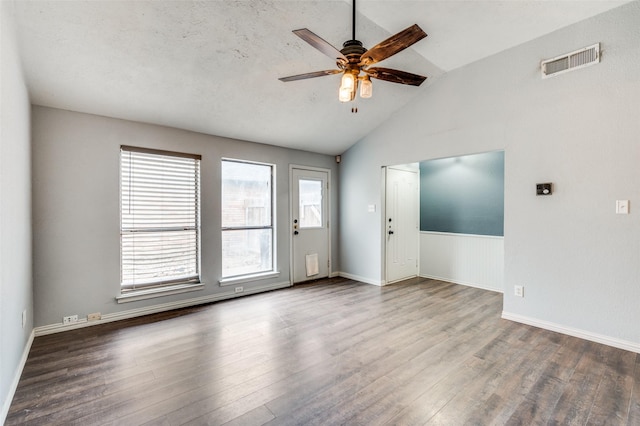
<point>348,86</point>
<point>366,87</point>
<point>354,59</point>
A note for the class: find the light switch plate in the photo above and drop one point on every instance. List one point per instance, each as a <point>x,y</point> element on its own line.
<point>622,206</point>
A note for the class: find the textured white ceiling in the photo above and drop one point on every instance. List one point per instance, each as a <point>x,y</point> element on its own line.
<point>213,66</point>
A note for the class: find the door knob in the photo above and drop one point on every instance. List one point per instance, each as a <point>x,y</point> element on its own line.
<point>390,232</point>
<point>295,232</point>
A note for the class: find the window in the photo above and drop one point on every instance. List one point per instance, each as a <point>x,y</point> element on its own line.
<point>159,218</point>
<point>310,196</point>
<point>247,218</point>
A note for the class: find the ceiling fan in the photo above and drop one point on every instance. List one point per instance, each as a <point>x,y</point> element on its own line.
<point>353,59</point>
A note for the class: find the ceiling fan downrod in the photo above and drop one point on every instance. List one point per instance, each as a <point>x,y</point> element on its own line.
<point>353,21</point>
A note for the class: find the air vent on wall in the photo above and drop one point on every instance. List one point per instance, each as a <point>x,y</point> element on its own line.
<point>571,61</point>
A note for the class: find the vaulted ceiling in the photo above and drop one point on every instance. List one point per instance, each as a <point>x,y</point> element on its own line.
<point>213,66</point>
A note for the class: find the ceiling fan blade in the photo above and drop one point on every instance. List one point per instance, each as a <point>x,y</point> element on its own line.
<point>395,76</point>
<point>310,75</point>
<point>320,44</point>
<point>393,45</point>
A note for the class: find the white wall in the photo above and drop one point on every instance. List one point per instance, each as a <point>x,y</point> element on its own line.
<point>578,260</point>
<point>472,260</point>
<point>76,211</point>
<point>15,214</point>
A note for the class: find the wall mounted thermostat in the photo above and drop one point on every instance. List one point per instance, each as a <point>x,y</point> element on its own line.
<point>544,188</point>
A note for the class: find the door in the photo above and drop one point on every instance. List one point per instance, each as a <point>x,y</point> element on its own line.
<point>401,224</point>
<point>309,224</point>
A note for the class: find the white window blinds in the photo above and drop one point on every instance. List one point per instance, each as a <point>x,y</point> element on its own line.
<point>159,218</point>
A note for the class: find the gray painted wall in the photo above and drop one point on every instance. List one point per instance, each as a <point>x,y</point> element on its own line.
<point>76,208</point>
<point>15,212</point>
<point>463,195</point>
<point>578,260</point>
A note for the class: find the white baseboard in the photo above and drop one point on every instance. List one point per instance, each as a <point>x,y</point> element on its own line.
<point>582,334</point>
<point>133,313</point>
<point>361,279</point>
<point>16,378</point>
<point>468,284</point>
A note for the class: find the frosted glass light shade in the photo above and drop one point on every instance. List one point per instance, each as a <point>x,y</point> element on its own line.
<point>348,81</point>
<point>345,95</point>
<point>366,88</point>
<point>348,87</point>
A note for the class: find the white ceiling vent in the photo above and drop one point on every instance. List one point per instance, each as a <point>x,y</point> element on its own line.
<point>571,61</point>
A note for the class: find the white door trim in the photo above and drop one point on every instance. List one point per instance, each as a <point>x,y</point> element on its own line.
<point>291,214</point>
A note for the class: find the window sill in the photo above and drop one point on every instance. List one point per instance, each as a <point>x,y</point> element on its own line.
<point>247,278</point>
<point>133,296</point>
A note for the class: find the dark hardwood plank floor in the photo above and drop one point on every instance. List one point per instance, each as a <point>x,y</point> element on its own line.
<point>332,352</point>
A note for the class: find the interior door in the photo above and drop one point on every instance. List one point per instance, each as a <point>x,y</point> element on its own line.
<point>309,224</point>
<point>401,224</point>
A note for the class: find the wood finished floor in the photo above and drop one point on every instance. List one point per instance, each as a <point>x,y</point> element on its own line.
<point>334,352</point>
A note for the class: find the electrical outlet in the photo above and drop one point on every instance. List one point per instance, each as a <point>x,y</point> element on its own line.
<point>70,319</point>
<point>518,290</point>
<point>94,316</point>
<point>24,318</point>
<point>239,289</point>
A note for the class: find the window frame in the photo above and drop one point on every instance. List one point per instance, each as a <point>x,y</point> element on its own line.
<point>323,220</point>
<point>171,284</point>
<point>250,276</point>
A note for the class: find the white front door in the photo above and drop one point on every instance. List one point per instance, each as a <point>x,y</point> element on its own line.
<point>309,224</point>
<point>401,224</point>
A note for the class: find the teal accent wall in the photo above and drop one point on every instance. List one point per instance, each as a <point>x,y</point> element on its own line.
<point>463,195</point>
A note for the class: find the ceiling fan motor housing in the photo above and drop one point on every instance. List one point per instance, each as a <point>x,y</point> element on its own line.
<point>353,51</point>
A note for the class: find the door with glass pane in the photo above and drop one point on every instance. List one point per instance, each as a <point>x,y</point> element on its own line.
<point>309,224</point>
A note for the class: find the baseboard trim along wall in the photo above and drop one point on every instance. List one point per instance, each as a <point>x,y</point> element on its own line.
<point>133,313</point>
<point>361,279</point>
<point>16,378</point>
<point>582,334</point>
<point>465,283</point>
